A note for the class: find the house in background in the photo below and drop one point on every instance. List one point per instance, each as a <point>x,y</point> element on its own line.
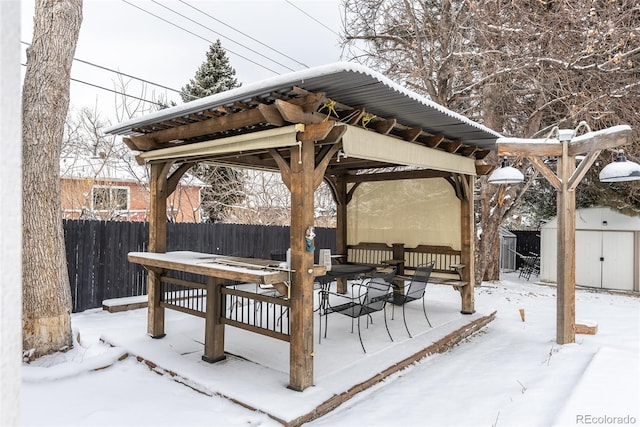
<point>112,189</point>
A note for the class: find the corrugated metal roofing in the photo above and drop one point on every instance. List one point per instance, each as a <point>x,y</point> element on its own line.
<point>347,83</point>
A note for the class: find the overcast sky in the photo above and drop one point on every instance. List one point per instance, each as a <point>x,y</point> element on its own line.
<point>123,35</point>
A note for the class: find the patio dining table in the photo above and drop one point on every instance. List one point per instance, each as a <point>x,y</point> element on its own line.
<point>345,271</point>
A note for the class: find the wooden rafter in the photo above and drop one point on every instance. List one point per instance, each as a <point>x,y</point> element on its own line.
<point>450,146</point>
<point>410,134</point>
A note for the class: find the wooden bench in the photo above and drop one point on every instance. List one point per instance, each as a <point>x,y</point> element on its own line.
<point>367,253</point>
<point>447,268</point>
<point>116,305</point>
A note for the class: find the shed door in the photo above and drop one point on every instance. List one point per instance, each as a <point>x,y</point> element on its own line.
<point>617,268</point>
<point>588,253</point>
<point>604,259</point>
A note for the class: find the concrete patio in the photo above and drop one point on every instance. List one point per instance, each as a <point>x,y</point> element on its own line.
<point>255,372</point>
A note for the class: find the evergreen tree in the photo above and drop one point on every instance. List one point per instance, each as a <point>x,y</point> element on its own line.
<point>225,184</point>
<point>214,75</point>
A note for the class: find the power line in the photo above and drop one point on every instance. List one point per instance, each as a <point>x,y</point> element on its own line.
<point>199,36</point>
<point>222,35</point>
<point>313,17</point>
<point>118,72</point>
<point>110,90</point>
<point>245,34</point>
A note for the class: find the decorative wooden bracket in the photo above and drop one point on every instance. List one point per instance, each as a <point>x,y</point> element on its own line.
<point>285,168</point>
<point>174,179</point>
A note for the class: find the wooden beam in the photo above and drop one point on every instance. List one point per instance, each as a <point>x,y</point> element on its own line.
<point>157,243</point>
<point>316,131</point>
<point>301,298</point>
<point>214,328</point>
<point>174,179</point>
<point>546,172</point>
<point>295,114</point>
<point>271,114</point>
<point>467,249</point>
<point>321,167</point>
<point>311,102</point>
<point>129,143</point>
<point>582,169</point>
<point>342,203</point>
<point>566,256</point>
<point>351,191</point>
<point>455,184</point>
<point>232,121</point>
<point>285,168</point>
<point>600,140</point>
<point>394,176</point>
<point>550,149</point>
<point>335,134</point>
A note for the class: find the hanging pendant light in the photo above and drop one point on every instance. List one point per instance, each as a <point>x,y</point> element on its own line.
<point>506,174</point>
<point>620,170</point>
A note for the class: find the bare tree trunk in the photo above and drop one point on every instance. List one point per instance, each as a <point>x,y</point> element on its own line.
<point>46,293</point>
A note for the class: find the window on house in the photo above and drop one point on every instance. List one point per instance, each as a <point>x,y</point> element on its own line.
<point>110,198</point>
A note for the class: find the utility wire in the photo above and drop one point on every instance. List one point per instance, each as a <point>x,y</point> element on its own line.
<point>313,17</point>
<point>223,36</point>
<point>111,90</point>
<point>119,72</point>
<point>319,22</point>
<point>245,34</point>
<point>199,36</point>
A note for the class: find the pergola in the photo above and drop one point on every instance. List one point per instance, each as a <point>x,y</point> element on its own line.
<point>341,123</point>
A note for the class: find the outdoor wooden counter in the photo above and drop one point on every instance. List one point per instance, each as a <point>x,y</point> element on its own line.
<point>220,266</point>
<point>218,270</point>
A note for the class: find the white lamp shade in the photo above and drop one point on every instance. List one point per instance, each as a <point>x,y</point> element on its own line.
<point>620,170</point>
<point>506,175</point>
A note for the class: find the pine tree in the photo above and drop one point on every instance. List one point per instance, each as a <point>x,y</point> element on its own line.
<point>213,76</point>
<point>225,184</point>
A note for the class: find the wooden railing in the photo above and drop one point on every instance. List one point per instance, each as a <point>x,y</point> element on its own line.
<point>263,314</point>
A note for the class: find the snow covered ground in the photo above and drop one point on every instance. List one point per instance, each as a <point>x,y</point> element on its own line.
<point>511,373</point>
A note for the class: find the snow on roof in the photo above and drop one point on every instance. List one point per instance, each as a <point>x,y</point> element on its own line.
<point>351,84</point>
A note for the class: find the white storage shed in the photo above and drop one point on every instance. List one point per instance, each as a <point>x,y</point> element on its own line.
<point>607,249</point>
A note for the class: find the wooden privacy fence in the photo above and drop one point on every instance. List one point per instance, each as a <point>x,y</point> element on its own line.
<point>97,252</point>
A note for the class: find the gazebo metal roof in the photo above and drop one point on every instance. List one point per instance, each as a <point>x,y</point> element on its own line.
<point>350,84</point>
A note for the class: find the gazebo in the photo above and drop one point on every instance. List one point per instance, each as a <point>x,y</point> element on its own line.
<point>401,169</point>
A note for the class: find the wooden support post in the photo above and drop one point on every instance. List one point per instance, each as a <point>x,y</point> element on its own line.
<point>566,257</point>
<point>467,229</point>
<point>398,284</point>
<point>341,226</point>
<point>301,309</point>
<point>157,243</point>
<point>214,328</point>
<point>398,253</point>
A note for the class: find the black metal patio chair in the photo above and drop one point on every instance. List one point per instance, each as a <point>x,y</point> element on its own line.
<point>414,291</point>
<point>372,297</point>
